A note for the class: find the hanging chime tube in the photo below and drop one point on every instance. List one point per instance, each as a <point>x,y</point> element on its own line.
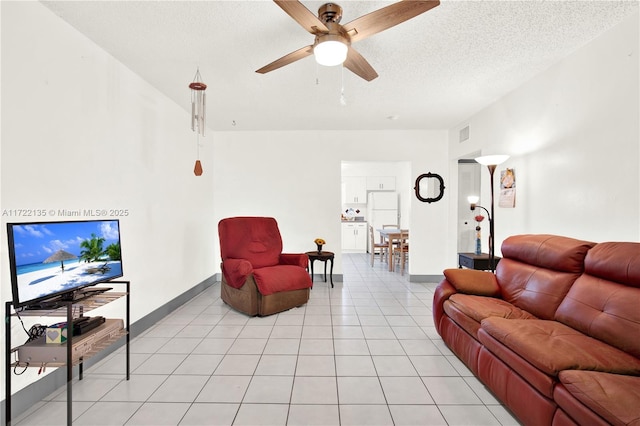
<point>193,114</point>
<point>203,115</point>
<point>198,99</point>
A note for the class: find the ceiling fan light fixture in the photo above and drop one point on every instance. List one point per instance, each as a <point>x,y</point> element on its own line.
<point>330,53</point>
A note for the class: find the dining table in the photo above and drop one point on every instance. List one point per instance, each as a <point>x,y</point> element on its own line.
<point>392,235</point>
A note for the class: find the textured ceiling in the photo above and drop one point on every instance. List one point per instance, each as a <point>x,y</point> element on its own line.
<point>436,69</point>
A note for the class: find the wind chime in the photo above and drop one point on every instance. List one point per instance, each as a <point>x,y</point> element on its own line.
<point>198,104</point>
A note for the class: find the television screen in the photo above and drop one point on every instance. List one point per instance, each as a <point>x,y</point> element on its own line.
<point>52,260</point>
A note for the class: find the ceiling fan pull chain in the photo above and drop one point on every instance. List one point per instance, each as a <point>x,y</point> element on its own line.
<point>343,99</point>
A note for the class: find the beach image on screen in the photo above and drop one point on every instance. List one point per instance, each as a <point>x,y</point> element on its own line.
<point>60,256</point>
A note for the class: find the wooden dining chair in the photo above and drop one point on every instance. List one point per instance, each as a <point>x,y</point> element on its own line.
<point>393,225</point>
<point>381,246</point>
<point>401,250</point>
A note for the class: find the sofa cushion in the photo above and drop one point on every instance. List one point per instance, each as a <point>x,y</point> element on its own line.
<point>471,281</point>
<point>537,271</point>
<point>463,320</point>
<point>552,347</point>
<point>274,279</point>
<point>618,262</point>
<point>468,310</point>
<point>614,397</point>
<point>518,367</point>
<point>479,307</point>
<point>536,290</point>
<point>547,251</point>
<point>605,301</point>
<point>572,412</point>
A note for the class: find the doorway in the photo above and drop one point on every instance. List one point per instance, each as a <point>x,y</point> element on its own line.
<point>361,178</point>
<point>468,184</point>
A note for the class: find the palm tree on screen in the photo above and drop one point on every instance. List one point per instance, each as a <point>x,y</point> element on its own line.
<point>92,248</point>
<point>113,251</point>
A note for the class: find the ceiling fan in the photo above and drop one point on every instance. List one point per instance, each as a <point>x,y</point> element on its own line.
<point>332,45</point>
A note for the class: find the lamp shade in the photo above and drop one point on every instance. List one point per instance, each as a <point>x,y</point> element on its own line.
<point>473,199</point>
<point>492,160</point>
<point>330,53</point>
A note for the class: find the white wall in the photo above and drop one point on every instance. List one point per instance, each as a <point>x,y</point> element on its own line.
<point>572,133</point>
<point>81,131</point>
<point>295,177</point>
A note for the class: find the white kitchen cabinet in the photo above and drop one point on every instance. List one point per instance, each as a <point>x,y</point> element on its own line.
<point>355,189</point>
<point>381,183</point>
<point>354,236</point>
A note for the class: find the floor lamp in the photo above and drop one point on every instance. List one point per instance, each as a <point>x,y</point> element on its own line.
<point>491,161</point>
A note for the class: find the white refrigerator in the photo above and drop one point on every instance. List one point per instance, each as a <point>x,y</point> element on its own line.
<point>382,209</point>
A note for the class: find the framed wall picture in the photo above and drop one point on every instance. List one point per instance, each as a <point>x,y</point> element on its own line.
<point>507,196</point>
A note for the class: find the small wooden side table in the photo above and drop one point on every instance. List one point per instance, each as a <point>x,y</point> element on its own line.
<point>476,261</point>
<point>322,256</point>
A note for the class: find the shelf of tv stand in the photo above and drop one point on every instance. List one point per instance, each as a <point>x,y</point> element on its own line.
<point>84,346</point>
<point>84,305</point>
<point>68,310</point>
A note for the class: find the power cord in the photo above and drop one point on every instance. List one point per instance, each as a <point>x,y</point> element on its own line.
<point>36,330</point>
<point>25,365</point>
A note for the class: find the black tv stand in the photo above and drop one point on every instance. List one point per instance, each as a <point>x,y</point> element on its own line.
<point>75,354</point>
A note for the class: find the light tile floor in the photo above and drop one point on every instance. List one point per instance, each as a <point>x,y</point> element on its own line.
<point>363,353</point>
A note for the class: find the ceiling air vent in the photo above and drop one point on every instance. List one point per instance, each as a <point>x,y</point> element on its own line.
<point>464,134</point>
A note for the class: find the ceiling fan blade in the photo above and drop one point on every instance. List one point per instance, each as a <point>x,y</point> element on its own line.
<point>287,59</point>
<point>357,64</point>
<point>302,16</point>
<point>387,17</point>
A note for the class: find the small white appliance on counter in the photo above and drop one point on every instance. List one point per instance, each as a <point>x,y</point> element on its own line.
<point>382,209</point>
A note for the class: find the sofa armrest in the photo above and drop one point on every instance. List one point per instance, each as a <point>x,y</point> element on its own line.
<point>441,294</point>
<point>467,281</point>
<point>470,281</point>
<point>236,271</point>
<point>297,259</point>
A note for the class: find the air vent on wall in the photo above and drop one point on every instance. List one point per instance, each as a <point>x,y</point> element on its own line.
<point>464,134</point>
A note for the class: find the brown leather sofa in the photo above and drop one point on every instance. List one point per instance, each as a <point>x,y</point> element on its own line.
<point>555,333</point>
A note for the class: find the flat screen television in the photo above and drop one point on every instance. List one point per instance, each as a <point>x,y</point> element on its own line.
<point>54,261</point>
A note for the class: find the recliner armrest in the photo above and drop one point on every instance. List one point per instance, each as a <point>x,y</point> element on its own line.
<point>470,281</point>
<point>236,271</point>
<point>297,259</point>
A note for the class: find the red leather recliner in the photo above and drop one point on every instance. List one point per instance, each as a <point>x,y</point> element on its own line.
<point>257,278</point>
